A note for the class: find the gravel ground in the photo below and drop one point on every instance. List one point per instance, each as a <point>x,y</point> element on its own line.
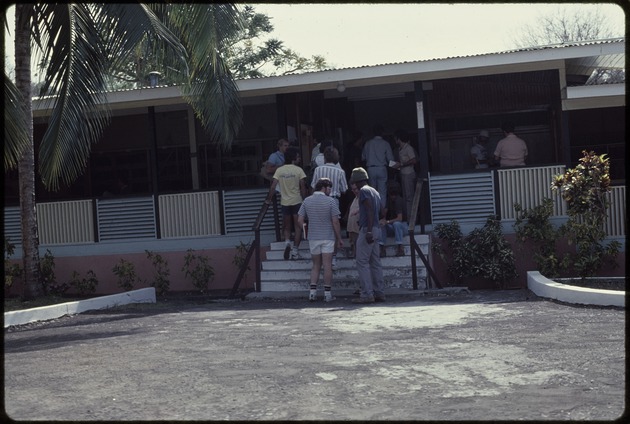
<point>504,355</point>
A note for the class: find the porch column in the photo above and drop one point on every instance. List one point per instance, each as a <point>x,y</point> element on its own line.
<point>422,146</point>
<point>192,141</point>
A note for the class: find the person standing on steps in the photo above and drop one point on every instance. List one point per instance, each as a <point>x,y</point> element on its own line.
<point>324,234</point>
<point>377,154</point>
<point>407,160</point>
<point>332,170</point>
<point>367,257</point>
<point>291,180</point>
<point>394,222</point>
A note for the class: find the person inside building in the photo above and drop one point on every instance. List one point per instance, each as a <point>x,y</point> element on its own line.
<point>511,150</point>
<point>406,162</point>
<point>479,150</point>
<point>377,155</point>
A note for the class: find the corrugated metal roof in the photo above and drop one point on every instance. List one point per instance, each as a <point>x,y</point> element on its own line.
<point>582,66</point>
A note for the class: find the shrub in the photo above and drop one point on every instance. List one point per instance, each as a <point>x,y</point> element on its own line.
<point>585,188</point>
<point>84,286</point>
<point>126,273</point>
<point>47,272</point>
<point>11,270</point>
<point>534,225</point>
<point>161,280</point>
<point>198,268</point>
<point>239,257</point>
<point>483,253</point>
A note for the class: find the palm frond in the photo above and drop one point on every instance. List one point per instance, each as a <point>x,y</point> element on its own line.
<point>211,89</point>
<point>15,125</point>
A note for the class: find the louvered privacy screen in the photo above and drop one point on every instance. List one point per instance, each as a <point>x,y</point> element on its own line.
<point>190,214</point>
<point>462,197</point>
<point>528,187</point>
<point>616,223</point>
<point>12,225</point>
<point>241,209</point>
<point>65,222</point>
<point>124,219</point>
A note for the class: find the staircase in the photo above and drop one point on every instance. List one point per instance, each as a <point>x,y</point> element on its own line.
<point>280,275</point>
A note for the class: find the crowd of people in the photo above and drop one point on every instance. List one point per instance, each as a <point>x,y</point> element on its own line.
<point>371,188</point>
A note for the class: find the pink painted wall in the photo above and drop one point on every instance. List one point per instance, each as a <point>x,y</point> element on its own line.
<point>225,272</point>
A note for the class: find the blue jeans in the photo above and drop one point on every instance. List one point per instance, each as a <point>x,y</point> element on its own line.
<point>397,229</point>
<point>378,180</point>
<point>369,264</point>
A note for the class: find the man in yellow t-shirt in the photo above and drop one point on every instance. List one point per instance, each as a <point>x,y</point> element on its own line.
<point>291,179</point>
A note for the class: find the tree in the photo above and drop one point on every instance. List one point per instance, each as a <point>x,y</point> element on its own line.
<point>251,57</point>
<point>81,45</point>
<point>246,52</point>
<point>566,25</point>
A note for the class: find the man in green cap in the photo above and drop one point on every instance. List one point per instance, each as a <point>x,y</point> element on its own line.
<point>367,251</point>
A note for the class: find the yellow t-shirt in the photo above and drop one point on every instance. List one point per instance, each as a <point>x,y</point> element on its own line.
<point>289,177</point>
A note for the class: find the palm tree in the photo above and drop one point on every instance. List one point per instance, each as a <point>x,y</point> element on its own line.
<point>81,45</point>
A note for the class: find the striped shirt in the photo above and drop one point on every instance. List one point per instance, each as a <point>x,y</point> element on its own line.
<point>336,175</point>
<point>320,210</point>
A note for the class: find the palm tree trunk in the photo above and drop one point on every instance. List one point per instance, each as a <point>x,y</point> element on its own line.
<point>26,166</point>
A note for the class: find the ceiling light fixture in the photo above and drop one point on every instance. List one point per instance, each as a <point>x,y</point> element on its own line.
<point>341,87</point>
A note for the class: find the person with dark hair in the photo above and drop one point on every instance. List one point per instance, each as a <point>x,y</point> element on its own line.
<point>367,257</point>
<point>407,160</point>
<point>331,170</point>
<point>291,180</point>
<point>377,154</point>
<point>394,223</point>
<point>324,234</point>
<point>511,150</point>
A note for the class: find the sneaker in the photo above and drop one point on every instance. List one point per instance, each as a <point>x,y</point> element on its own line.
<point>312,297</point>
<point>295,255</point>
<point>379,298</point>
<point>363,300</point>
<point>287,251</point>
<point>329,298</point>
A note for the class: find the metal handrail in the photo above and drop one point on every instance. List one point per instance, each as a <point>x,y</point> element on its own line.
<point>255,246</point>
<point>415,248</point>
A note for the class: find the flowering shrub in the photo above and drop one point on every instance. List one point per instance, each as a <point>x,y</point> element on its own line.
<point>585,188</point>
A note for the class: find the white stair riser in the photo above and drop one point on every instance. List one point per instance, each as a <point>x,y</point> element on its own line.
<point>345,273</point>
<point>406,283</point>
<point>278,255</point>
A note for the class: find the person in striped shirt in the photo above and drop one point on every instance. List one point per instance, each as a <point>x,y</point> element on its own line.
<point>324,234</point>
<point>333,171</point>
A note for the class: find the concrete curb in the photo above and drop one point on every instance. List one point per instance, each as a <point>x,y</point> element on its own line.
<point>146,295</point>
<point>544,287</point>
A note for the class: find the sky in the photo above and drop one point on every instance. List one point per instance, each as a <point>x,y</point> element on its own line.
<point>350,35</point>
<point>363,34</point>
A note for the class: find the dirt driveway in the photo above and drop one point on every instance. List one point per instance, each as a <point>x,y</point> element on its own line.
<point>471,356</point>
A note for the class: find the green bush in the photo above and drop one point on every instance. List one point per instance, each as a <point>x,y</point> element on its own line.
<point>240,256</point>
<point>84,286</point>
<point>47,273</point>
<point>585,188</point>
<point>126,273</point>
<point>11,270</point>
<point>534,225</point>
<point>483,253</point>
<point>198,268</point>
<point>161,280</point>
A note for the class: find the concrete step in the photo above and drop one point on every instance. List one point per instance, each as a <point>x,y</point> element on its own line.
<point>278,274</point>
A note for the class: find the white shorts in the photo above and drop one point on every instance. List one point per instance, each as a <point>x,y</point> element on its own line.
<point>318,247</point>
